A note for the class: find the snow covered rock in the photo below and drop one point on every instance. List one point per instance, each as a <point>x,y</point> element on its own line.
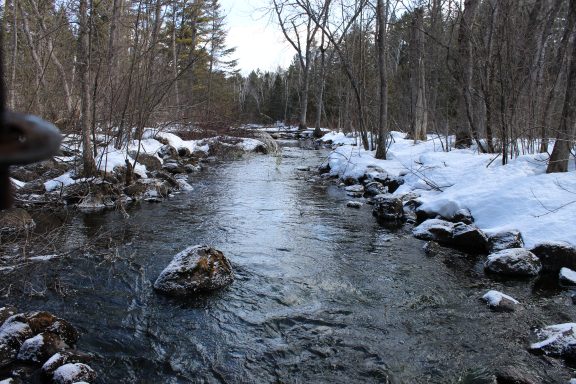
<point>469,237</point>
<point>356,190</point>
<point>15,220</point>
<point>514,261</point>
<point>555,255</point>
<point>197,268</point>
<point>500,302</point>
<point>462,216</point>
<point>505,240</point>
<point>354,204</point>
<point>73,373</point>
<point>434,229</point>
<point>167,151</point>
<point>388,209</point>
<point>62,358</point>
<point>65,331</point>
<point>567,277</point>
<point>14,331</point>
<point>40,347</point>
<point>374,188</point>
<point>559,341</point>
<point>9,381</point>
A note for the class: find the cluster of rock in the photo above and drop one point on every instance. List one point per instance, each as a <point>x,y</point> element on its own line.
<point>196,269</point>
<point>166,172</point>
<point>38,344</point>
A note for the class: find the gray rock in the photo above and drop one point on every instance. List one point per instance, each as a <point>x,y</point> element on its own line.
<point>73,373</point>
<point>374,188</point>
<point>514,261</point>
<point>436,230</point>
<point>462,216</point>
<point>354,204</point>
<point>151,162</point>
<point>559,341</point>
<point>499,302</point>
<point>555,255</point>
<point>469,238</point>
<point>167,151</point>
<point>196,269</point>
<point>39,348</point>
<point>388,209</point>
<point>516,375</point>
<point>62,358</point>
<point>505,240</point>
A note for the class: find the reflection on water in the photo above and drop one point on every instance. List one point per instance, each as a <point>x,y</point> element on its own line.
<point>323,293</point>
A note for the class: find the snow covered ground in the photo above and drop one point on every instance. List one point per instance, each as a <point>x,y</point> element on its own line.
<point>519,195</point>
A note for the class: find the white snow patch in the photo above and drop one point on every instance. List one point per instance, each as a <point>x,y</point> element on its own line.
<point>17,183</point>
<point>493,298</point>
<point>109,157</point>
<point>557,337</point>
<point>59,182</point>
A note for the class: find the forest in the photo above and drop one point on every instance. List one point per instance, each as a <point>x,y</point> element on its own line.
<point>497,74</point>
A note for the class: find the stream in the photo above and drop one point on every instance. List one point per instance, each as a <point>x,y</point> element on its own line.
<point>323,294</point>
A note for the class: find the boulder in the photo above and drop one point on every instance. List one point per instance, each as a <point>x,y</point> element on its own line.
<point>434,229</point>
<point>174,168</point>
<point>500,302</point>
<point>514,261</point>
<point>567,277</point>
<point>432,248</point>
<point>354,204</point>
<point>505,240</point>
<point>374,188</point>
<point>462,216</point>
<point>65,330</point>
<point>12,334</point>
<point>559,341</point>
<point>39,348</point>
<point>324,168</point>
<point>356,190</point>
<point>469,238</point>
<point>39,321</point>
<point>555,255</point>
<point>15,221</point>
<point>388,209</point>
<point>62,358</point>
<point>167,151</point>
<point>197,268</point>
<point>73,373</point>
<point>136,190</point>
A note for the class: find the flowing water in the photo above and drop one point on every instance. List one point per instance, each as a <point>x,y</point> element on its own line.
<point>323,294</point>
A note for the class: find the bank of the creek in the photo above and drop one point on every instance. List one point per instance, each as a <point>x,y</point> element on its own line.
<point>323,294</point>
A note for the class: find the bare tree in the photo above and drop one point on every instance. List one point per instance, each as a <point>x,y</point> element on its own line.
<point>382,8</point>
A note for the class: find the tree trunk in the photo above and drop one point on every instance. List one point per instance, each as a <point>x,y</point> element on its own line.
<point>84,77</point>
<point>561,153</point>
<point>417,79</point>
<point>382,47</point>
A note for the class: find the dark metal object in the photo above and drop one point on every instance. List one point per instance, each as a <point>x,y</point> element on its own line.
<point>24,139</point>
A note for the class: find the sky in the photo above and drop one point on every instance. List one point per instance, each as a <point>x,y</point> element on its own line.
<point>259,43</point>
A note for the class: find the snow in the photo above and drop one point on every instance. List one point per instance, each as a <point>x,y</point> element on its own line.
<point>178,143</point>
<point>109,157</point>
<point>250,144</point>
<point>17,183</point>
<point>59,182</point>
<point>493,298</point>
<point>519,195</point>
<point>147,146</point>
<point>73,373</point>
<point>568,275</point>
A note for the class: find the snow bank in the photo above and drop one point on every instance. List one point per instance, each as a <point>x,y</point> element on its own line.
<point>109,157</point>
<point>519,195</point>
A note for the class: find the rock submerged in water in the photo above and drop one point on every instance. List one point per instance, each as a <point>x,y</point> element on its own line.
<point>514,261</point>
<point>198,268</point>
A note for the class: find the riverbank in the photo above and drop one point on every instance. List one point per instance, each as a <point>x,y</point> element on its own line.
<point>517,196</point>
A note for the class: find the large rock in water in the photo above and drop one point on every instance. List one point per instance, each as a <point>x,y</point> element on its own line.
<point>196,269</point>
<point>555,255</point>
<point>559,341</point>
<point>514,261</point>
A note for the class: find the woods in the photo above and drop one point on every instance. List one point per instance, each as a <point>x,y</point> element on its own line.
<point>496,75</point>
